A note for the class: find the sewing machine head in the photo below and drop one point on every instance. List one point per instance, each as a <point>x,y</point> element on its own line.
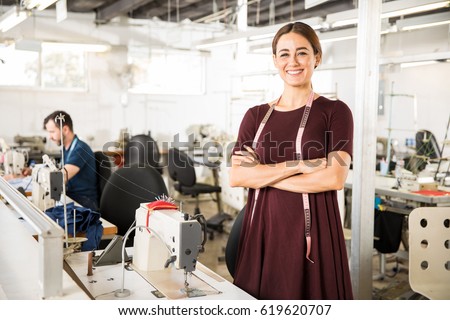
<point>13,162</point>
<point>47,186</point>
<point>167,236</point>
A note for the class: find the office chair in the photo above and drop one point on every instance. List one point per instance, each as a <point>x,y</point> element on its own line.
<point>233,242</point>
<point>182,172</point>
<point>429,252</point>
<point>426,148</point>
<point>125,190</point>
<point>142,150</point>
<point>103,168</point>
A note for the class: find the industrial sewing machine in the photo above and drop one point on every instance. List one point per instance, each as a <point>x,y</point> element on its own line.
<point>33,145</point>
<point>47,185</point>
<point>167,241</point>
<point>166,248</point>
<point>11,161</point>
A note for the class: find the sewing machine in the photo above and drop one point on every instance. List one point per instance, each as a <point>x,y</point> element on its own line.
<point>13,162</point>
<point>47,186</point>
<point>166,241</point>
<point>33,145</point>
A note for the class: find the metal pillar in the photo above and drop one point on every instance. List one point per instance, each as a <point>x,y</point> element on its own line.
<point>364,157</point>
<point>242,15</point>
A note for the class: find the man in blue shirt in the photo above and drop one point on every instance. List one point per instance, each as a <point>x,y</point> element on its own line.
<point>79,160</point>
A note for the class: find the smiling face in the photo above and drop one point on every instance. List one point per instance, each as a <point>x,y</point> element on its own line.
<point>295,60</point>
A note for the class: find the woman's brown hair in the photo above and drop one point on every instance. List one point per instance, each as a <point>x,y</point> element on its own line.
<point>304,30</point>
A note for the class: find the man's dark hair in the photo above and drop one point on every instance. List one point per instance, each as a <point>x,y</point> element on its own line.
<point>67,119</point>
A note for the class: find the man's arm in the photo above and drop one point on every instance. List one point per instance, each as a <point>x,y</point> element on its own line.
<point>70,171</point>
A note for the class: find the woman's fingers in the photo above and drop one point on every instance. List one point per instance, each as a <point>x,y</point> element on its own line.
<point>242,157</point>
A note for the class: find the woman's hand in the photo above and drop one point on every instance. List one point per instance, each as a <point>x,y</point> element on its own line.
<point>245,158</point>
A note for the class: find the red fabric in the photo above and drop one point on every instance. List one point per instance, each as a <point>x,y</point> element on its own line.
<point>161,205</point>
<point>158,205</point>
<point>432,193</point>
<point>271,261</point>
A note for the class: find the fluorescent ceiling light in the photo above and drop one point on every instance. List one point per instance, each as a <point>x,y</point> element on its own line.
<point>269,32</point>
<point>75,46</point>
<point>338,35</point>
<point>424,21</point>
<point>416,64</point>
<point>218,43</point>
<point>388,10</point>
<point>262,36</point>
<point>12,18</point>
<point>254,34</point>
<point>391,9</point>
<point>38,4</point>
<point>312,3</point>
<point>28,45</point>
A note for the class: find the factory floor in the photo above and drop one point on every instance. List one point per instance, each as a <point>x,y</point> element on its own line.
<point>393,285</point>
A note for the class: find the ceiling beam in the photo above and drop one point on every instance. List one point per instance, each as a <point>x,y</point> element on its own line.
<point>118,8</point>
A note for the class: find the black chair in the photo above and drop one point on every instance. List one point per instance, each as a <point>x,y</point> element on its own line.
<point>426,144</point>
<point>142,150</point>
<point>182,172</point>
<point>233,242</point>
<point>126,189</point>
<point>103,168</point>
<point>426,148</point>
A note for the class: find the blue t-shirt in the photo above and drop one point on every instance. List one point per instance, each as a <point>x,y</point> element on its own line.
<point>82,188</point>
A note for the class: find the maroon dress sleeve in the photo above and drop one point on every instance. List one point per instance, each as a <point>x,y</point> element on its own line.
<point>247,130</point>
<point>341,129</point>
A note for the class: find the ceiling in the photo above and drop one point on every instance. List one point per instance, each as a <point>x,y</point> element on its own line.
<point>260,12</point>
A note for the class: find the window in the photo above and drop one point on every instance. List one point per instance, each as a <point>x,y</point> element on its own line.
<point>63,69</point>
<point>49,68</point>
<point>163,72</point>
<point>18,67</point>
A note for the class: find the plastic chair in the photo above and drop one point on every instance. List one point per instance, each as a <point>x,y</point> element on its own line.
<point>429,252</point>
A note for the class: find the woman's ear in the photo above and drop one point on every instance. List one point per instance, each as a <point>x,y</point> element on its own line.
<point>274,58</point>
<point>316,64</point>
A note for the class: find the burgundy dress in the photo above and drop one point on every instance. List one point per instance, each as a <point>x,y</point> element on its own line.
<point>271,261</point>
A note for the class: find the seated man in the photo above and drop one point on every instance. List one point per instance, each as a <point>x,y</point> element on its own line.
<point>79,160</point>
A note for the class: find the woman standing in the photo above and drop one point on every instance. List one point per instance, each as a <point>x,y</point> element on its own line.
<point>293,154</point>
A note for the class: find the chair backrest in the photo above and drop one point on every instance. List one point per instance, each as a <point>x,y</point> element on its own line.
<point>181,167</point>
<point>103,169</point>
<point>126,189</point>
<point>429,252</point>
<point>233,242</point>
<point>426,144</point>
<point>142,150</point>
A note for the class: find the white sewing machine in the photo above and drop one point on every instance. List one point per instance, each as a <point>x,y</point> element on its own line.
<point>169,241</point>
<point>47,186</point>
<point>13,162</point>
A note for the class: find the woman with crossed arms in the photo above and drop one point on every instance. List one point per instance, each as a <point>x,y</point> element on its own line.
<point>294,154</point>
